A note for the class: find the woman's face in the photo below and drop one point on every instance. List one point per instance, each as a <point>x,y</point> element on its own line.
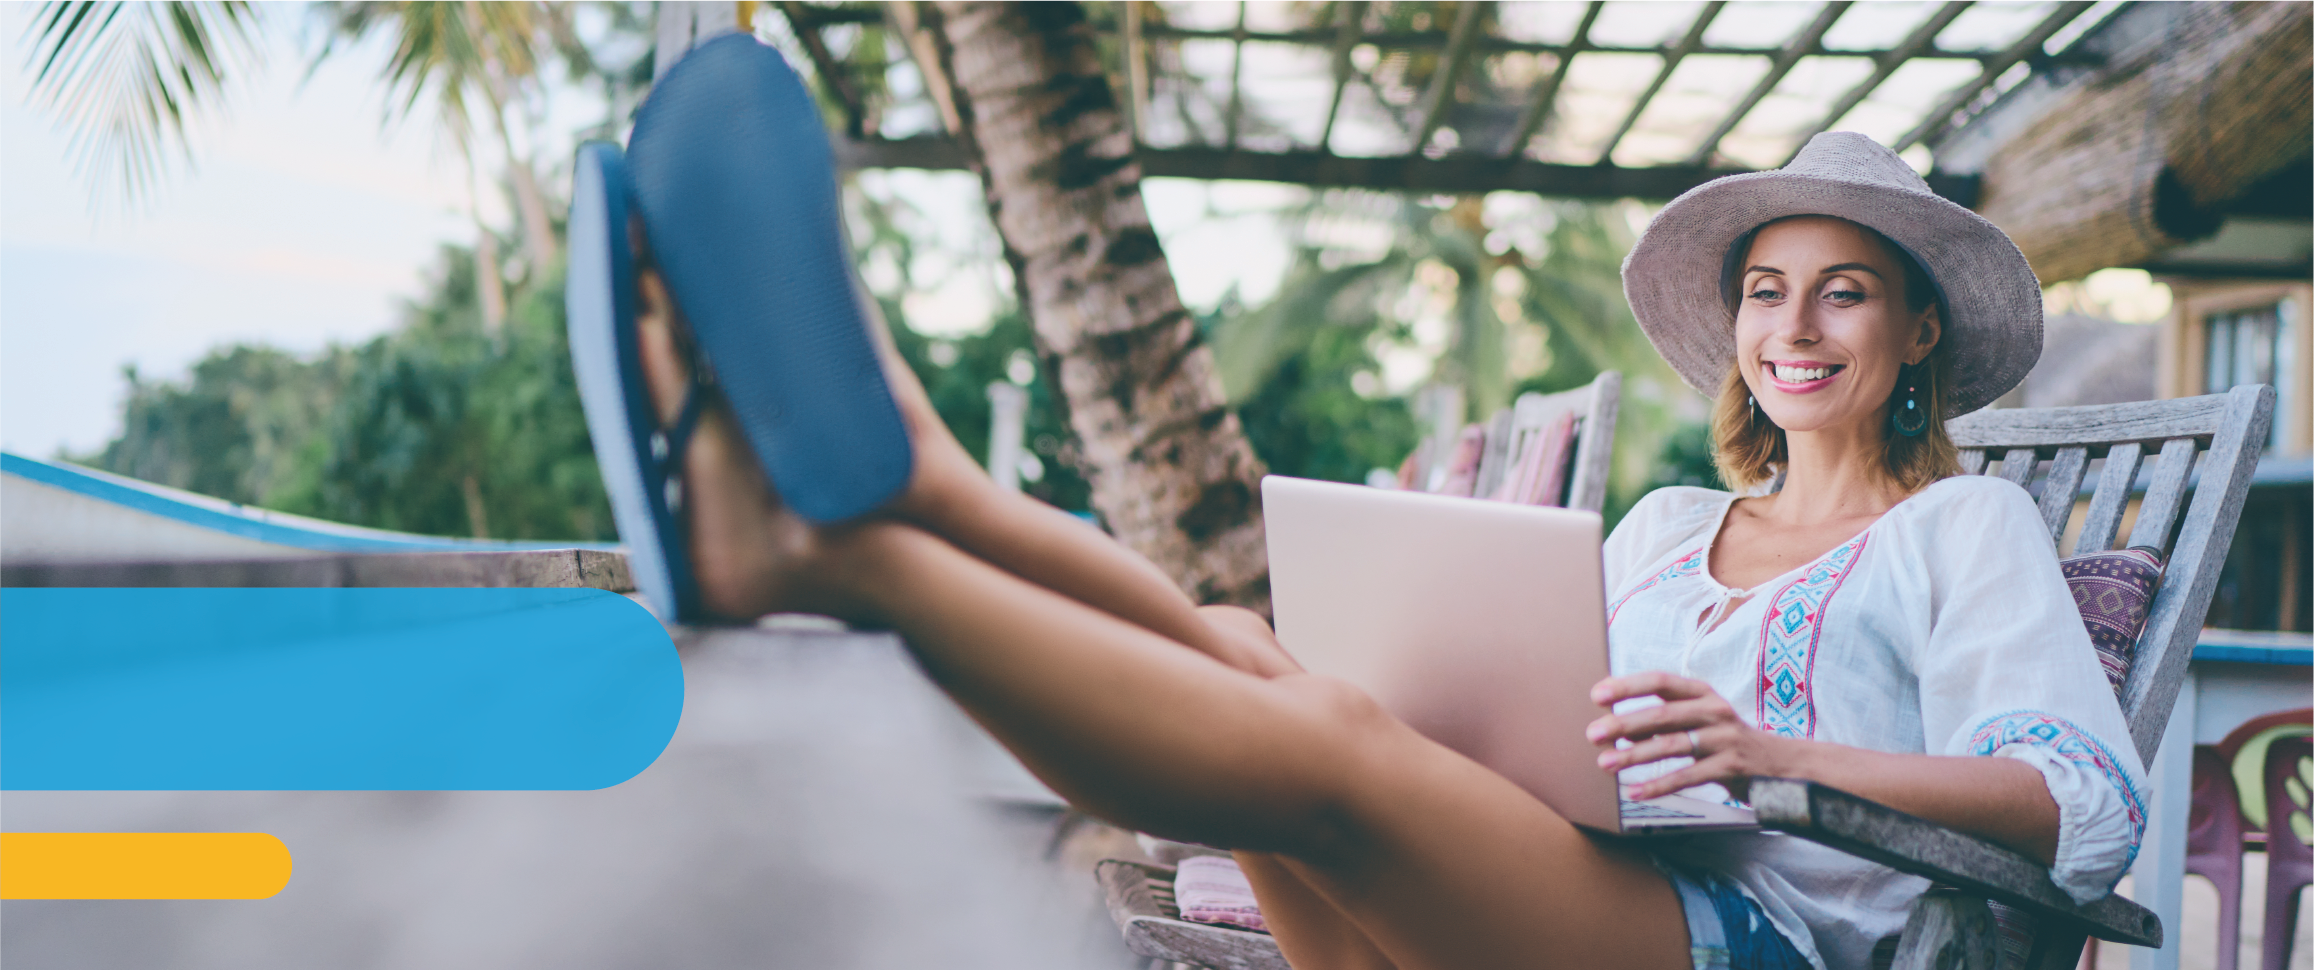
<point>1821,327</point>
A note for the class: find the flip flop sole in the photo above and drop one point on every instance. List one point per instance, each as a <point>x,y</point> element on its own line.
<point>599,297</point>
<point>733,174</point>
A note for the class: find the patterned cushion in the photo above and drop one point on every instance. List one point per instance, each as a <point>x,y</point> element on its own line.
<point>2113,590</point>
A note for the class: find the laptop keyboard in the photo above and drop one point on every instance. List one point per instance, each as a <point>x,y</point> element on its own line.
<point>1633,809</point>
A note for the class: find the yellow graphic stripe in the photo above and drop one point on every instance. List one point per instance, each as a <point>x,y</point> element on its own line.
<point>142,865</point>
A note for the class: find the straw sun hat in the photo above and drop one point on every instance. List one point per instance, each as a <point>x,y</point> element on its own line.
<point>1991,300</point>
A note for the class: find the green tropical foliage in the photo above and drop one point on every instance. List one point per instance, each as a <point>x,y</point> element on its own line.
<point>439,427</point>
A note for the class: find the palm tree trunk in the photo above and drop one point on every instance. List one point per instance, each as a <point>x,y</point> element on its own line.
<point>1170,468</point>
<point>529,201</point>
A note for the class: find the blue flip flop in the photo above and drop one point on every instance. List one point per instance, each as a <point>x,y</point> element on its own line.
<point>641,462</point>
<point>732,173</point>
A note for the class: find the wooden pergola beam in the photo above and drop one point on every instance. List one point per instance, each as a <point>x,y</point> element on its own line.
<point>1236,78</point>
<point>1423,40</point>
<point>1939,118</point>
<point>830,70</point>
<point>1451,64</point>
<point>1453,174</point>
<point>1803,44</point>
<point>1671,58</point>
<point>1434,40</point>
<point>1884,65</point>
<point>1136,72</point>
<point>1546,92</point>
<point>1352,25</point>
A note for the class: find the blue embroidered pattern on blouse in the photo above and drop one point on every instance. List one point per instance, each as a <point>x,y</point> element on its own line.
<point>1788,635</point>
<point>1687,565</point>
<point>2071,743</point>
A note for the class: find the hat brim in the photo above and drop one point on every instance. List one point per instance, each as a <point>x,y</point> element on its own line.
<point>1992,300</point>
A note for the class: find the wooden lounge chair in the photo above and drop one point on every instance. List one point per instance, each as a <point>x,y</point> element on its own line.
<point>1953,924</point>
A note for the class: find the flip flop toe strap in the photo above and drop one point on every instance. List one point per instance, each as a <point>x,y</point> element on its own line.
<point>667,444</point>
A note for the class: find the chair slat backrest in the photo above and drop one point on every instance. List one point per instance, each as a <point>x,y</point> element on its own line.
<point>2063,483</point>
<point>1595,406</point>
<point>2157,512</point>
<point>2225,430</point>
<point>2110,500</point>
<point>1496,459</point>
<point>1511,431</point>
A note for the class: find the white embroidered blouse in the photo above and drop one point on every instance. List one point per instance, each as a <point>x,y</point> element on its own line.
<point>1944,628</point>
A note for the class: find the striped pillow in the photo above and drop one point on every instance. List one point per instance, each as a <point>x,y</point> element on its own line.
<point>2113,590</point>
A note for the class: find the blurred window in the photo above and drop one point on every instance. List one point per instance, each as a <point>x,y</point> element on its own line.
<point>2251,346</point>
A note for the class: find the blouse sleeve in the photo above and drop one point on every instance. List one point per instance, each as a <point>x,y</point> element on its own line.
<point>2008,671</point>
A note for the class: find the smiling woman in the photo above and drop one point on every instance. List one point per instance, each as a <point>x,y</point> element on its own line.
<point>1865,326</point>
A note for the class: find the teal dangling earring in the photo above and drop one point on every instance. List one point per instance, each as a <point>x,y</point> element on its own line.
<point>1905,415</point>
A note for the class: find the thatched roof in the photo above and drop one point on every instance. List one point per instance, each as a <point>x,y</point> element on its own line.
<point>2198,112</point>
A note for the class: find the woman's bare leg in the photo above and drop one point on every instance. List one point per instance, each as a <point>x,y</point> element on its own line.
<point>948,494</point>
<point>1310,931</point>
<point>1440,862</point>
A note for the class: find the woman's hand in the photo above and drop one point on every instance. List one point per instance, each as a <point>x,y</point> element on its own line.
<point>1693,721</point>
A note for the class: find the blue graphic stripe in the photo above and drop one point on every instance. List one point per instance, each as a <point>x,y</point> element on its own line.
<point>331,689</point>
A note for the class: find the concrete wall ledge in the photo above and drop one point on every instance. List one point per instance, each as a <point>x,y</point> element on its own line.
<point>560,568</point>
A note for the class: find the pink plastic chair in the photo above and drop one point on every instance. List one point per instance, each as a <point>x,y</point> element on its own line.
<point>2289,862</point>
<point>2213,846</point>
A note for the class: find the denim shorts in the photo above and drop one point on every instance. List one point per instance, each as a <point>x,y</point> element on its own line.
<point>1726,930</point>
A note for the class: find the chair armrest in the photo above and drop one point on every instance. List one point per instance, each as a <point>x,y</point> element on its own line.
<point>1140,898</point>
<point>1906,843</point>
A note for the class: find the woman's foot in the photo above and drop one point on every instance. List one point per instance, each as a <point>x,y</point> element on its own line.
<point>751,555</point>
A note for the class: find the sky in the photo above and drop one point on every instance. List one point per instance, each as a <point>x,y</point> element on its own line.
<point>302,219</point>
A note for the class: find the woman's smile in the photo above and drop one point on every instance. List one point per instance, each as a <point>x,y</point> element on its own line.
<point>1801,376</point>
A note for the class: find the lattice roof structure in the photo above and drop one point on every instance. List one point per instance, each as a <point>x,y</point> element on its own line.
<point>1589,100</point>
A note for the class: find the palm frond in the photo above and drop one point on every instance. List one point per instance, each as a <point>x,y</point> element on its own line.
<point>451,51</point>
<point>125,77</point>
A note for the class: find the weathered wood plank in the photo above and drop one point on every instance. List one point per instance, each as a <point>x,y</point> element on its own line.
<point>1869,830</point>
<point>1545,94</point>
<point>2055,948</point>
<point>1595,447</point>
<point>2017,465</point>
<point>1451,65</point>
<point>1948,930</point>
<point>1140,899</point>
<point>1937,118</point>
<point>2111,500</point>
<point>1494,460</point>
<point>1458,172</point>
<point>539,568</point>
<point>2061,487</point>
<point>1350,18</point>
<point>1885,63</point>
<point>2173,623</point>
<point>1671,58</point>
<point>1972,461</point>
<point>2157,513</point>
<point>2144,422</point>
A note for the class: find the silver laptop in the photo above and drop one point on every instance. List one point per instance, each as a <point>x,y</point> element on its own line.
<point>1482,625</point>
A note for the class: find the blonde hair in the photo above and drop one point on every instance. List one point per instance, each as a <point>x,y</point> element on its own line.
<point>1748,448</point>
